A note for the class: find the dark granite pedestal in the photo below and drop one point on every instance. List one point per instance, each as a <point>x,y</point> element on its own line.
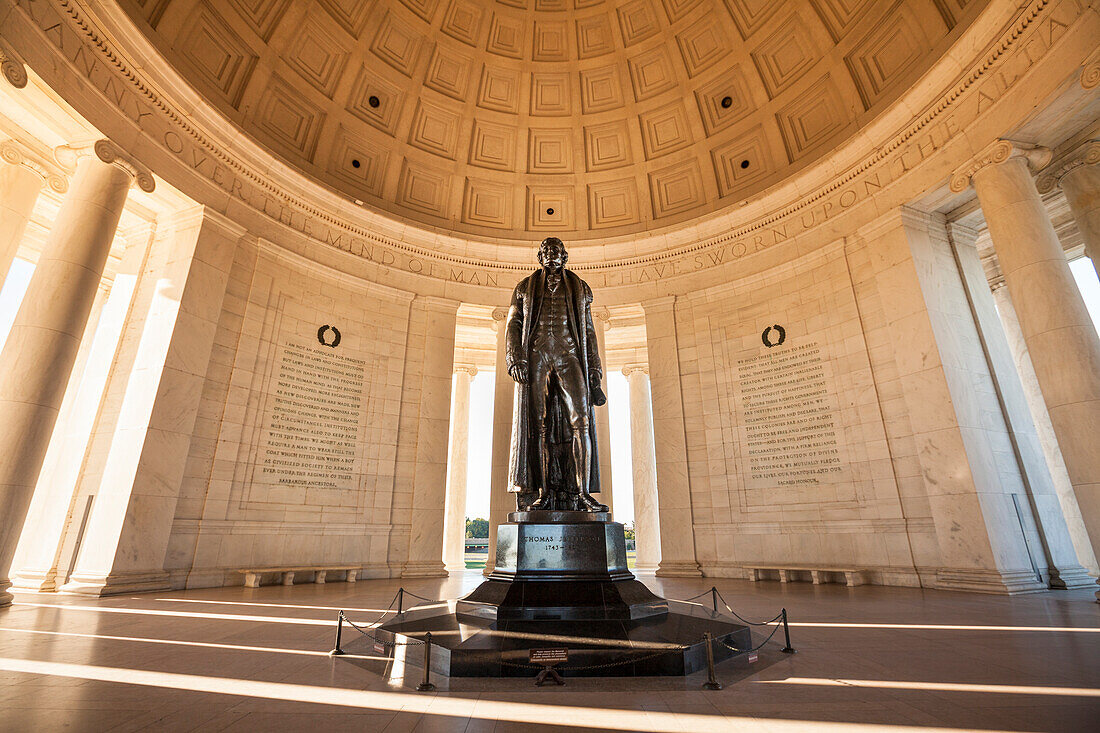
<point>561,582</point>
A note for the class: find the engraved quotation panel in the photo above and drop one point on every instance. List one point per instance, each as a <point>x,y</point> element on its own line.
<point>789,418</point>
<point>311,424</point>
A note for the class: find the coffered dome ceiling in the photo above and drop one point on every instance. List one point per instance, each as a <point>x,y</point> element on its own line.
<point>586,118</point>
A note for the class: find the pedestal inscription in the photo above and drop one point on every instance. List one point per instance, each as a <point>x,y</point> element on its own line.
<point>311,424</point>
<point>789,417</point>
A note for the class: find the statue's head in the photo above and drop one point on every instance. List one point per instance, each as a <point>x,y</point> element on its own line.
<point>552,254</point>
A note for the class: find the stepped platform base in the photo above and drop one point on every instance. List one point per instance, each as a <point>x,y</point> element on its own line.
<point>561,589</point>
<point>667,644</point>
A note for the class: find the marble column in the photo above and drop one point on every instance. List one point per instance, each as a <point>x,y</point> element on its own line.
<point>22,175</point>
<point>501,501</point>
<point>37,359</point>
<point>1060,335</point>
<point>1047,439</point>
<point>1077,173</point>
<point>602,321</point>
<point>430,473</point>
<point>670,441</point>
<point>647,523</point>
<point>454,522</point>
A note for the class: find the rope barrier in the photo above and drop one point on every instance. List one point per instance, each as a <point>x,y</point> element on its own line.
<point>707,639</point>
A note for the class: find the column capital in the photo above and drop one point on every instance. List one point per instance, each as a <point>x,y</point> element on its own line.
<point>52,175</point>
<point>634,368</point>
<point>1090,75</point>
<point>1084,153</point>
<point>109,153</point>
<point>470,369</point>
<point>603,315</point>
<point>12,67</point>
<point>499,316</point>
<point>999,152</point>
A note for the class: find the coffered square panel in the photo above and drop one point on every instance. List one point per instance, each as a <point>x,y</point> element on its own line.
<point>397,44</point>
<point>493,146</point>
<point>665,130</point>
<point>677,10</point>
<point>607,146</point>
<point>426,9</point>
<point>550,208</point>
<point>499,89</point>
<point>812,118</point>
<point>435,130</point>
<point>449,73</point>
<point>613,204</point>
<point>601,89</point>
<point>742,161</point>
<point>551,41</point>
<point>550,150</point>
<point>487,203</point>
<point>463,21</point>
<point>702,44</point>
<point>222,58</point>
<point>594,36</point>
<point>288,118</point>
<point>505,36</point>
<point>551,95</point>
<point>359,162</point>
<point>651,73</point>
<point>423,188</point>
<point>317,57</point>
<point>376,101</point>
<point>840,15</point>
<point>785,55</point>
<point>352,15</point>
<point>262,15</point>
<point>724,100</point>
<point>750,15</point>
<point>884,56</point>
<point>677,188</point>
<point>637,21</point>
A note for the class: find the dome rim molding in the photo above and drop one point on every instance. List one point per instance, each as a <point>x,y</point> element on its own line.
<point>290,187</point>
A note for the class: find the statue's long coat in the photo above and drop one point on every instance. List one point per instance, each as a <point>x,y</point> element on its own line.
<point>522,317</point>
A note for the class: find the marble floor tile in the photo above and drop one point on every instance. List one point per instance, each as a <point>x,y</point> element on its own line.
<point>237,659</point>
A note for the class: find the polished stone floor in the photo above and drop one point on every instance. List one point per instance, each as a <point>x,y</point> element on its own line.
<point>236,659</point>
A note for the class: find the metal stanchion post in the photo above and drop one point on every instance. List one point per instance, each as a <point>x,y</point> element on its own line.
<point>400,599</point>
<point>788,649</point>
<point>712,682</point>
<point>336,650</point>
<point>425,685</point>
<point>714,598</point>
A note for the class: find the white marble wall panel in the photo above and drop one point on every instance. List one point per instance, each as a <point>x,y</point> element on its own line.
<point>230,516</point>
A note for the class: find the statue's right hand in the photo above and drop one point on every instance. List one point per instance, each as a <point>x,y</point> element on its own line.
<point>518,372</point>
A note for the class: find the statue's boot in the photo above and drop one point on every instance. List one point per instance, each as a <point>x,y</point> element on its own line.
<point>543,502</point>
<point>589,504</point>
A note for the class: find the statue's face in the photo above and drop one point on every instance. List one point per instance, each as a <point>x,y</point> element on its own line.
<point>553,258</point>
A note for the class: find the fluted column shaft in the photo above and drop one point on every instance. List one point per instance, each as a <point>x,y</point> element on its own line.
<point>1056,326</point>
<point>38,357</point>
<point>501,501</point>
<point>647,531</point>
<point>454,523</point>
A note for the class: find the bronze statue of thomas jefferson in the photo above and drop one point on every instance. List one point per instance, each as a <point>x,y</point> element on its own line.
<point>552,355</point>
